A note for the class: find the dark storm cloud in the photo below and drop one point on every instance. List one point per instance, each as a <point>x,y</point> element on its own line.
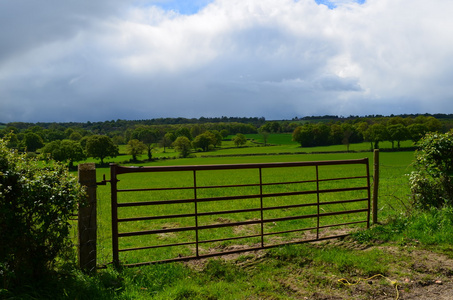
<point>103,60</point>
<point>27,24</point>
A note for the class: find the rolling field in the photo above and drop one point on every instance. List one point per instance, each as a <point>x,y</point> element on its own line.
<point>393,196</point>
<point>277,144</point>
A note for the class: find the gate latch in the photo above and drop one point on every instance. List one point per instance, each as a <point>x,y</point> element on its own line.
<point>103,182</point>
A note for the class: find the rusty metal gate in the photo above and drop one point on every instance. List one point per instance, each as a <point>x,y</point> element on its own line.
<point>215,210</point>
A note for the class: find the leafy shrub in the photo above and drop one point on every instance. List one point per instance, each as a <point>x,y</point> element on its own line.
<point>431,182</point>
<point>36,203</point>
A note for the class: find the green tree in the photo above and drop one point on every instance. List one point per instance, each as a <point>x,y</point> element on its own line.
<point>336,134</point>
<point>433,124</point>
<point>377,133</point>
<point>36,204</point>
<point>362,129</point>
<point>183,145</point>
<point>196,130</point>
<point>239,140</point>
<point>101,146</point>
<point>184,131</point>
<point>148,136</point>
<point>52,134</point>
<point>303,135</point>
<point>348,132</point>
<point>273,127</point>
<point>398,133</point>
<point>264,134</point>
<point>224,133</point>
<point>321,134</point>
<point>65,150</point>
<point>135,147</point>
<point>171,136</point>
<point>217,138</point>
<point>12,140</point>
<point>417,131</point>
<point>166,141</point>
<point>32,142</point>
<point>75,136</point>
<point>204,140</point>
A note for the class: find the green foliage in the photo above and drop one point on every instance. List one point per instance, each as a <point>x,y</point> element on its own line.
<point>397,132</point>
<point>217,138</point>
<point>146,135</point>
<point>204,140</point>
<point>417,131</point>
<point>65,150</point>
<point>303,135</point>
<point>239,140</point>
<point>101,146</point>
<point>184,131</point>
<point>376,133</point>
<point>36,204</point>
<point>272,127</point>
<point>167,140</point>
<point>432,181</point>
<point>32,142</point>
<point>182,144</point>
<point>75,136</point>
<point>135,147</point>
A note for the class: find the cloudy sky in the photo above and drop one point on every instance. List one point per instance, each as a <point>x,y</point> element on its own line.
<point>84,60</point>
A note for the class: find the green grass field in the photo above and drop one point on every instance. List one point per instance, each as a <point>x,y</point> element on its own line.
<point>393,193</point>
<point>408,257</point>
<point>399,258</point>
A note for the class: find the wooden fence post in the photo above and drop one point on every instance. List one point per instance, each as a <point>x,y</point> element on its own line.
<point>87,219</point>
<point>375,185</point>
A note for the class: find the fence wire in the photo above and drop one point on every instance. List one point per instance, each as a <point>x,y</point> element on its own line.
<point>394,195</point>
<point>104,236</point>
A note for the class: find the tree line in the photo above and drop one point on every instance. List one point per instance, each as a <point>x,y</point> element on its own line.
<point>373,130</point>
<point>75,141</point>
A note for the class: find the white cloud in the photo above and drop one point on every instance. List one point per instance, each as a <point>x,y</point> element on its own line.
<point>278,59</point>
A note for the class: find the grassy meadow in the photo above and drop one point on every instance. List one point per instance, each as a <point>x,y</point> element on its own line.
<point>410,257</point>
<point>393,194</point>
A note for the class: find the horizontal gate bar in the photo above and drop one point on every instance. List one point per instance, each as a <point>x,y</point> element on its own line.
<point>239,210</point>
<point>239,185</point>
<point>224,198</point>
<point>251,222</point>
<point>192,243</point>
<point>123,169</point>
<point>233,251</point>
<point>240,237</point>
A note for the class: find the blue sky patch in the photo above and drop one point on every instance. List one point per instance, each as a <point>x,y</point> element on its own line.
<point>331,4</point>
<point>184,7</point>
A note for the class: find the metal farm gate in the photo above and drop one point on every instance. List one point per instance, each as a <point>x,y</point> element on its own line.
<point>175,213</point>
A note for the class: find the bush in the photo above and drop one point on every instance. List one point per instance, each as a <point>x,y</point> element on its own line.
<point>36,203</point>
<point>431,182</point>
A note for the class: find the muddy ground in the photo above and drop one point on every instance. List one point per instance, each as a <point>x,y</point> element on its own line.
<point>416,274</point>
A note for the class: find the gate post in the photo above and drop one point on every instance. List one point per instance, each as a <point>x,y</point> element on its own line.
<point>87,219</point>
<point>375,185</point>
